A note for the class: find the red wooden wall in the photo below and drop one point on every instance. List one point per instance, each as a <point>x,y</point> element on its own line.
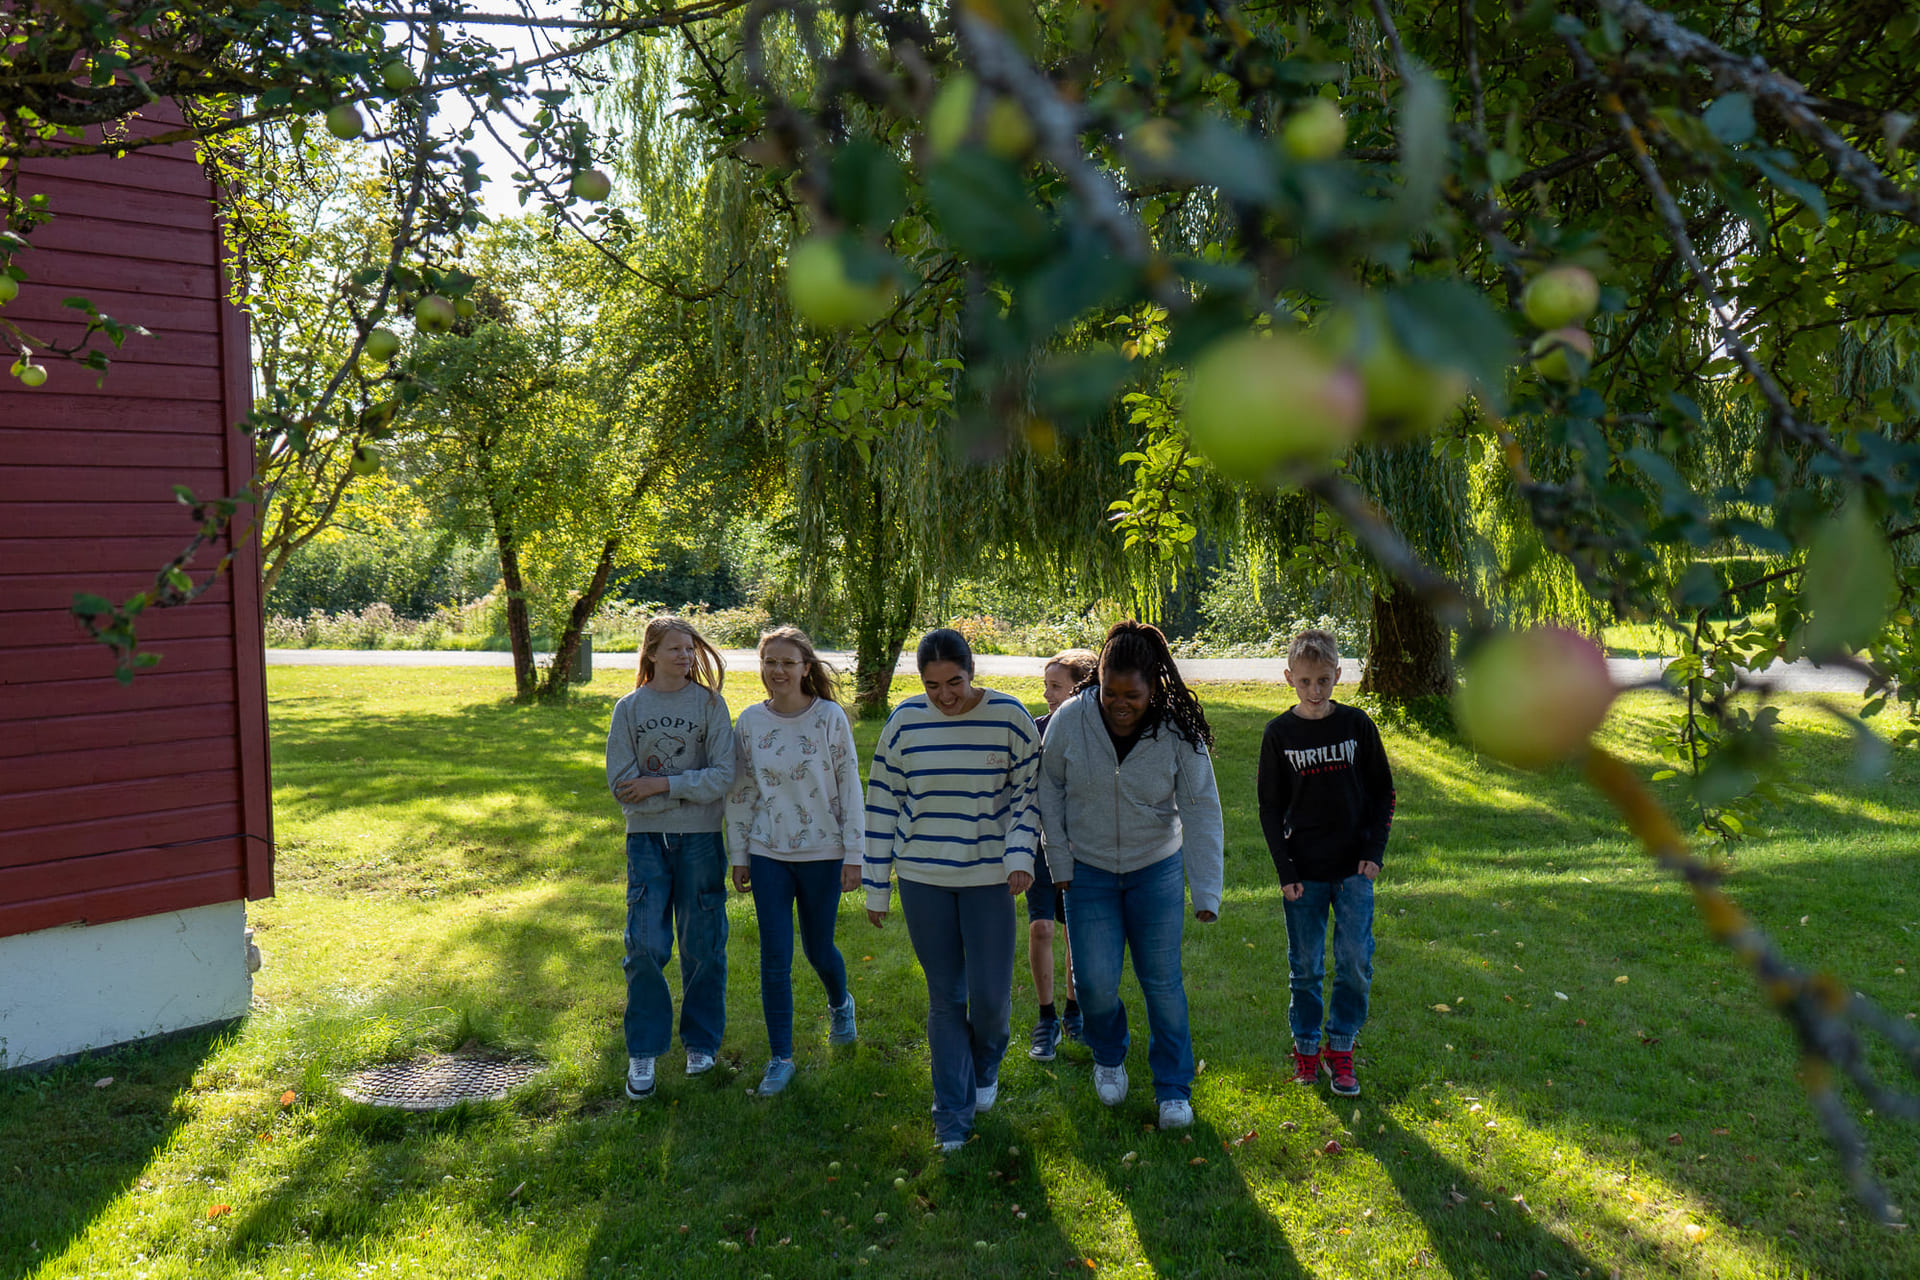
<point>121,801</point>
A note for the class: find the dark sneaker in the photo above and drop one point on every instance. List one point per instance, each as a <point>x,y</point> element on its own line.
<point>1306,1067</point>
<point>840,1025</point>
<point>1046,1040</point>
<point>779,1076</point>
<point>1340,1067</point>
<point>1074,1027</point>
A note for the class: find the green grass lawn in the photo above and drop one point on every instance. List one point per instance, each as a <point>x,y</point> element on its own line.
<point>1562,1075</point>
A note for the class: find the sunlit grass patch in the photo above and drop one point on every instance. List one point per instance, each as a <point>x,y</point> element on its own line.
<point>451,872</point>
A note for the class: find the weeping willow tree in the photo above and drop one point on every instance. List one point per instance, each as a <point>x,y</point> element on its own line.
<point>895,482</point>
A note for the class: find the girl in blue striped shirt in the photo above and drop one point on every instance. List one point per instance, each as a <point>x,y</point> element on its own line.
<point>950,815</point>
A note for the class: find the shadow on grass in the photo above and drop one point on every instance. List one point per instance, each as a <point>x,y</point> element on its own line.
<point>106,1138</point>
<point>1202,1219</point>
<point>1475,1229</point>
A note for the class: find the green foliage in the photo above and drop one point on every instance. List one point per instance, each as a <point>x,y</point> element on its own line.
<point>412,570</point>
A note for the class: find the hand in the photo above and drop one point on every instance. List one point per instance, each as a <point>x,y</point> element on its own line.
<point>1370,869</point>
<point>634,790</point>
<point>849,877</point>
<point>1063,885</point>
<point>742,879</point>
<point>1292,892</point>
<point>1019,882</point>
<point>878,919</point>
<point>1205,917</point>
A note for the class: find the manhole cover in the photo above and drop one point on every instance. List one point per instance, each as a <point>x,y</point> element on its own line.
<point>439,1081</point>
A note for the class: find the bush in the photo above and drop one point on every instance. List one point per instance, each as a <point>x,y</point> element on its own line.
<point>410,570</point>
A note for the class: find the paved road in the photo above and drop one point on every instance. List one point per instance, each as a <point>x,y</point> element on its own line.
<point>1797,677</point>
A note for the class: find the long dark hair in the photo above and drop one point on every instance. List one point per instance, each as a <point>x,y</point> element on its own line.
<point>1138,647</point>
<point>944,644</point>
<point>817,680</point>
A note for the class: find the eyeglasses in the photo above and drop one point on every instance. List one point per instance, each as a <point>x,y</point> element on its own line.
<point>780,664</point>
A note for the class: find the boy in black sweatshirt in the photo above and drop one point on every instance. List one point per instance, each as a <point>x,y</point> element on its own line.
<point>1326,805</point>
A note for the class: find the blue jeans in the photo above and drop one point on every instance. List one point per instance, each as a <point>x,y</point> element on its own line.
<point>1351,901</point>
<point>1141,912</point>
<point>676,887</point>
<point>964,941</point>
<point>777,888</point>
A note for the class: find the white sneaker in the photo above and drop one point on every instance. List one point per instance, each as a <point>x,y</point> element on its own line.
<point>698,1063</point>
<point>984,1096</point>
<point>1176,1113</point>
<point>639,1078</point>
<point>1110,1083</point>
<point>950,1147</point>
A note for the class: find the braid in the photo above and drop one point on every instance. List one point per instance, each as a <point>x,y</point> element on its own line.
<point>1139,647</point>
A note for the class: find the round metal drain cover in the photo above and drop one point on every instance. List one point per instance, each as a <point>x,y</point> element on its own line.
<point>439,1081</point>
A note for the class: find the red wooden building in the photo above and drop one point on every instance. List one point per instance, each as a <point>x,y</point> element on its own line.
<point>134,819</point>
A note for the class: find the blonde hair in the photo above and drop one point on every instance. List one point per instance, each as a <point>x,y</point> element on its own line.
<point>1313,646</point>
<point>709,668</point>
<point>1080,664</point>
<point>818,677</point>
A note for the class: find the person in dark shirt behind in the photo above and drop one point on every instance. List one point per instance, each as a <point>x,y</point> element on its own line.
<point>1326,805</point>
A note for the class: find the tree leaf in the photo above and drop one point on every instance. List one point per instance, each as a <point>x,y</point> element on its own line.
<point>1730,118</point>
<point>984,208</point>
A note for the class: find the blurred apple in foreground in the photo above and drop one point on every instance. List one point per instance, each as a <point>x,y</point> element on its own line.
<point>823,293</point>
<point>1533,698</point>
<point>1554,354</point>
<point>1254,403</point>
<point>1316,131</point>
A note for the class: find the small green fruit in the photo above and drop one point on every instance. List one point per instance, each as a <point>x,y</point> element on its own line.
<point>382,345</point>
<point>592,184</point>
<point>9,288</point>
<point>821,292</point>
<point>1533,698</point>
<point>1254,403</point>
<point>1317,131</point>
<point>1007,132</point>
<point>951,114</point>
<point>434,314</point>
<point>345,122</point>
<point>1563,355</point>
<point>833,1166</point>
<point>365,460</point>
<point>33,375</point>
<point>1560,297</point>
<point>899,1184</point>
<point>464,308</point>
<point>398,76</point>
<point>1404,396</point>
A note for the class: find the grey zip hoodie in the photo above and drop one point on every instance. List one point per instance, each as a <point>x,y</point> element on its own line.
<point>685,736</point>
<point>1122,816</point>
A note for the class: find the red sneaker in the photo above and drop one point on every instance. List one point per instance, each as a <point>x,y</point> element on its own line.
<point>1306,1067</point>
<point>1340,1066</point>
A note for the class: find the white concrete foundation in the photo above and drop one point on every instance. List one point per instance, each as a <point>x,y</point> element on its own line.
<point>80,987</point>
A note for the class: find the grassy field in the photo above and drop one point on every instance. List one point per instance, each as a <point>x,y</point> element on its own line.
<point>1562,1076</point>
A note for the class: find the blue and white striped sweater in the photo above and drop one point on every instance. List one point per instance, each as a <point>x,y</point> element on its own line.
<point>950,799</point>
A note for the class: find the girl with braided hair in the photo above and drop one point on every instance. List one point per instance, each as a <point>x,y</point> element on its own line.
<point>1131,818</point>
